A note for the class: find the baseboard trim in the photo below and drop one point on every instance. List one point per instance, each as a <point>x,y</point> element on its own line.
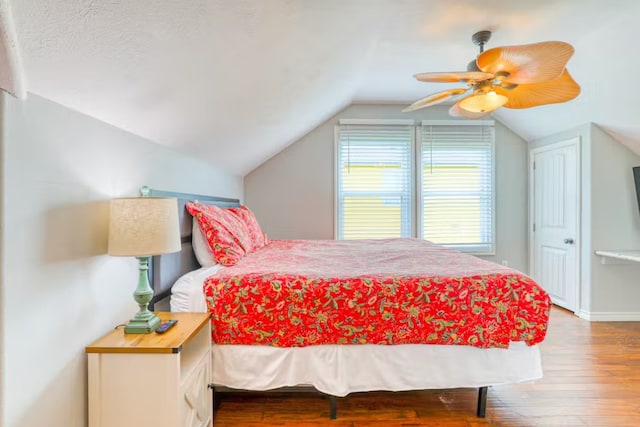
<point>610,316</point>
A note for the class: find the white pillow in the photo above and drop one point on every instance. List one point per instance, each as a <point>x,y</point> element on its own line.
<point>187,293</point>
<point>201,246</point>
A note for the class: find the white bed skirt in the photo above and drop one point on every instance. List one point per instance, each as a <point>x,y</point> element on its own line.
<point>342,369</point>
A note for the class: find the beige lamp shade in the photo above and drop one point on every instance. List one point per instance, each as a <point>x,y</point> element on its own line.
<point>143,226</point>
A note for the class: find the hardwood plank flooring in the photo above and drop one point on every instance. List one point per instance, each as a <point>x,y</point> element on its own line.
<point>591,378</point>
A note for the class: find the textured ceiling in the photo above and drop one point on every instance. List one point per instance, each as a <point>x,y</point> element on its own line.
<point>234,82</point>
<point>11,73</point>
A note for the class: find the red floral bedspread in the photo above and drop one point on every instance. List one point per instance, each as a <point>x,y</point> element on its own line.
<point>295,293</point>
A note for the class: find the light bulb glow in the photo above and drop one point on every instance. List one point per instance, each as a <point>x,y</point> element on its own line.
<point>483,102</point>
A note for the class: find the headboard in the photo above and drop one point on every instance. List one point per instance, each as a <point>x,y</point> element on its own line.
<point>166,269</point>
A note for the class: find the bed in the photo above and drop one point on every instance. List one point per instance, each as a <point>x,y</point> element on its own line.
<point>355,359</point>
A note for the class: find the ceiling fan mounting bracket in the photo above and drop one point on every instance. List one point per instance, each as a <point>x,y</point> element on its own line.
<point>481,38</point>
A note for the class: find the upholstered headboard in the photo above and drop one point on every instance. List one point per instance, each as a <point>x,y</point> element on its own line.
<point>166,269</point>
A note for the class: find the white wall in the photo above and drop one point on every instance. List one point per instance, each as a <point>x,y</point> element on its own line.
<point>292,194</point>
<point>1,263</point>
<point>615,224</point>
<point>60,291</point>
<point>610,221</point>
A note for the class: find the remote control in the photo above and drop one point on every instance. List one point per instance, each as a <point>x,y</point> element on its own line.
<point>164,326</point>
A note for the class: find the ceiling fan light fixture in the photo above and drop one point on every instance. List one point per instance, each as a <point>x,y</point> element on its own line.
<point>483,102</point>
<point>516,77</point>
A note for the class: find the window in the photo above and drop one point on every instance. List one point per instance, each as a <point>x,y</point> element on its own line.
<point>456,186</point>
<point>452,183</point>
<point>374,177</point>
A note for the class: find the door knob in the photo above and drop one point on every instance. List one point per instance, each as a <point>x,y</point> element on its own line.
<point>568,241</point>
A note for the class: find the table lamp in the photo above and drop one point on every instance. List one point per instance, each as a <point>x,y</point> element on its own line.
<point>142,227</point>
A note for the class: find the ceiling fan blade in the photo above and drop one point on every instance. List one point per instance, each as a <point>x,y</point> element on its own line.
<point>527,64</point>
<point>457,111</point>
<point>562,89</point>
<point>454,77</point>
<point>434,99</point>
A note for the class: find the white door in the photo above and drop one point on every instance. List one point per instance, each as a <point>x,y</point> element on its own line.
<point>555,208</point>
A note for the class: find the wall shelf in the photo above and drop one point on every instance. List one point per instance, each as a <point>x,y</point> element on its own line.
<point>619,257</point>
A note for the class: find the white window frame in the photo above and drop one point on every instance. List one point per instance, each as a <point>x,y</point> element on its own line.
<point>336,170</point>
<point>416,202</point>
<point>471,249</point>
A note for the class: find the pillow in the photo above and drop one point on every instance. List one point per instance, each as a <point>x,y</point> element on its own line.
<point>186,292</point>
<point>258,237</point>
<point>226,234</point>
<point>201,246</point>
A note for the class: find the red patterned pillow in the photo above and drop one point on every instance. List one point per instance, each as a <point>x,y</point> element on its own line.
<point>258,237</point>
<point>227,235</point>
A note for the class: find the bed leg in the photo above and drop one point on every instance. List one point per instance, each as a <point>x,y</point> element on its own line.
<point>482,402</point>
<point>215,398</point>
<point>333,411</point>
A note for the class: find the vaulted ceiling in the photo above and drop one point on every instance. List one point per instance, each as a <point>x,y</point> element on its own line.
<point>236,81</point>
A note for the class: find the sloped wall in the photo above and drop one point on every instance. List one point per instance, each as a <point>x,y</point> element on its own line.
<point>60,290</point>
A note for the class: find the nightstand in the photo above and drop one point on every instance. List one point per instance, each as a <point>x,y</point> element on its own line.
<point>158,380</point>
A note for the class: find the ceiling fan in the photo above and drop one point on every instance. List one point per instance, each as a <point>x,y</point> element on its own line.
<point>511,76</point>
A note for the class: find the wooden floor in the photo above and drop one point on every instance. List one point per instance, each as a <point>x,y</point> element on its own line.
<point>591,378</point>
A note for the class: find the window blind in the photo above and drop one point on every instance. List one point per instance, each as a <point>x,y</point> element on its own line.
<point>456,186</point>
<point>374,181</point>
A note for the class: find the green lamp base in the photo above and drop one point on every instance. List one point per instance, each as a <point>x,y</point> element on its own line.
<point>145,321</point>
<point>142,326</point>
